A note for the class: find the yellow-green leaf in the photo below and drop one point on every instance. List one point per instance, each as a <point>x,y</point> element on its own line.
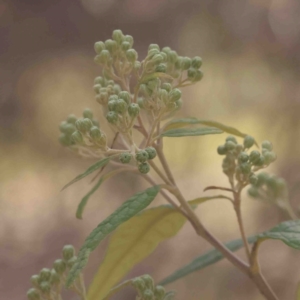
<point>204,199</point>
<point>181,132</point>
<point>133,241</point>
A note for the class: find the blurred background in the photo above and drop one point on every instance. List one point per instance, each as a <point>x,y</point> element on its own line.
<point>251,54</point>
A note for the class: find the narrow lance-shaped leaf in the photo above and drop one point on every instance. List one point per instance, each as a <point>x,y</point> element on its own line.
<point>287,232</point>
<point>85,199</point>
<point>131,243</point>
<point>200,200</point>
<point>181,132</point>
<point>126,211</point>
<point>204,260</point>
<point>91,169</point>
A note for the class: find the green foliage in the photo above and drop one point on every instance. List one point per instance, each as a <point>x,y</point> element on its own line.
<point>181,132</point>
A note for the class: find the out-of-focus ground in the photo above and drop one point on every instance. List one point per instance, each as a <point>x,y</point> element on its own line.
<point>251,54</point>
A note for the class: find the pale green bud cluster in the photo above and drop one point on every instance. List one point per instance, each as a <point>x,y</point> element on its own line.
<point>49,281</point>
<point>142,156</point>
<point>147,290</point>
<point>241,164</point>
<point>104,88</point>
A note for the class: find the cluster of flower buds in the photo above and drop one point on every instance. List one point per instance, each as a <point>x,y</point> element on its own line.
<point>48,283</point>
<point>148,291</point>
<point>141,157</point>
<point>240,163</point>
<point>82,132</point>
<point>104,88</point>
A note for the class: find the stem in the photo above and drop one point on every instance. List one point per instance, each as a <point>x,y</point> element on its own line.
<point>164,163</point>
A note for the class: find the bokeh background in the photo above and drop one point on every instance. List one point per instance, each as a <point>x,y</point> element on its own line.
<point>251,54</point>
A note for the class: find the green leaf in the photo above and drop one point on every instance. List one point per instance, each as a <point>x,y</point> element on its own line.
<point>127,210</point>
<point>298,292</point>
<point>287,232</point>
<point>133,241</point>
<point>179,132</point>
<point>178,123</point>
<point>204,260</point>
<point>91,169</point>
<point>200,200</point>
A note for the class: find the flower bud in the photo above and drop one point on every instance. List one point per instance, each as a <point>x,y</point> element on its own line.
<point>253,192</point>
<point>77,137</point>
<point>112,117</point>
<point>196,62</point>
<point>33,294</point>
<point>161,68</point>
<point>121,106</point>
<point>133,110</point>
<point>253,179</point>
<point>45,274</point>
<point>231,138</point>
<point>243,157</point>
<point>269,157</point>
<point>71,261</point>
<point>99,46</point>
<point>59,266</point>
<point>142,156</point>
<point>125,157</point>
<point>68,252</point>
<point>99,80</point>
<point>129,39</point>
<point>87,113</point>
<point>159,292</point>
<point>151,152</point>
<point>248,141</point>
<point>173,57</point>
<point>65,140</point>
<point>118,36</point>
<point>175,95</point>
<point>166,50</point>
<point>137,65</point>
<point>102,97</point>
<point>103,58</point>
<point>125,46</point>
<point>84,125</point>
<point>148,281</point>
<point>191,73</point>
<point>55,278</point>
<point>125,96</point>
<point>259,162</point>
<point>131,55</point>
<point>35,280</point>
<point>45,287</point>
<point>96,123</point>
<point>71,119</point>
<point>267,145</point>
<point>230,145</point>
<point>152,53</point>
<point>185,63</point>
<point>222,150</point>
<point>144,167</point>
<point>112,105</point>
<point>141,102</point>
<point>111,46</point>
<point>166,86</point>
<point>139,284</point>
<point>97,88</point>
<point>95,133</point>
<point>62,126</point>
<point>153,46</point>
<point>156,59</point>
<point>254,156</point>
<point>163,95</point>
<point>245,168</point>
<point>148,295</point>
<point>198,76</point>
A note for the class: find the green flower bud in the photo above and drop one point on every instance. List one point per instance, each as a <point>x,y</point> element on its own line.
<point>142,156</point>
<point>166,50</point>
<point>139,284</point>
<point>121,106</point>
<point>100,81</point>
<point>87,113</point>
<point>191,73</point>
<point>161,68</point>
<point>33,294</point>
<point>111,46</point>
<point>253,179</point>
<point>45,287</point>
<point>137,65</point>
<point>198,76</point>
<point>259,162</point>
<point>173,58</point>
<point>245,168</point>
<point>243,157</point>
<point>71,119</point>
<point>254,156</point>
<point>45,274</point>
<point>113,97</point>
<point>131,55</point>
<point>269,157</point>
<point>253,192</point>
<point>263,177</point>
<point>186,63</point>
<point>157,59</point>
<point>84,125</point>
<point>230,145</point>
<point>71,261</point>
<point>125,157</point>
<point>125,96</point>
<point>59,266</point>
<point>103,58</point>
<point>272,183</point>
<point>231,138</point>
<point>133,110</point>
<point>99,46</point>
<point>248,141</point>
<point>141,102</point>
<point>112,117</point>
<point>267,145</point>
<point>95,133</point>
<point>77,137</point>
<point>62,126</point>
<point>148,295</point>
<point>55,278</point>
<point>153,46</point>
<point>222,150</point>
<point>35,280</point>
<point>163,95</point>
<point>196,62</point>
<point>129,39</point>
<point>68,252</point>
<point>167,86</point>
<point>118,36</point>
<point>116,89</point>
<point>97,88</point>
<point>175,95</point>
<point>112,105</point>
<point>125,46</point>
<point>159,292</point>
<point>148,281</point>
<point>96,123</point>
<point>102,97</point>
<point>65,140</point>
<point>152,53</point>
<point>151,152</point>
